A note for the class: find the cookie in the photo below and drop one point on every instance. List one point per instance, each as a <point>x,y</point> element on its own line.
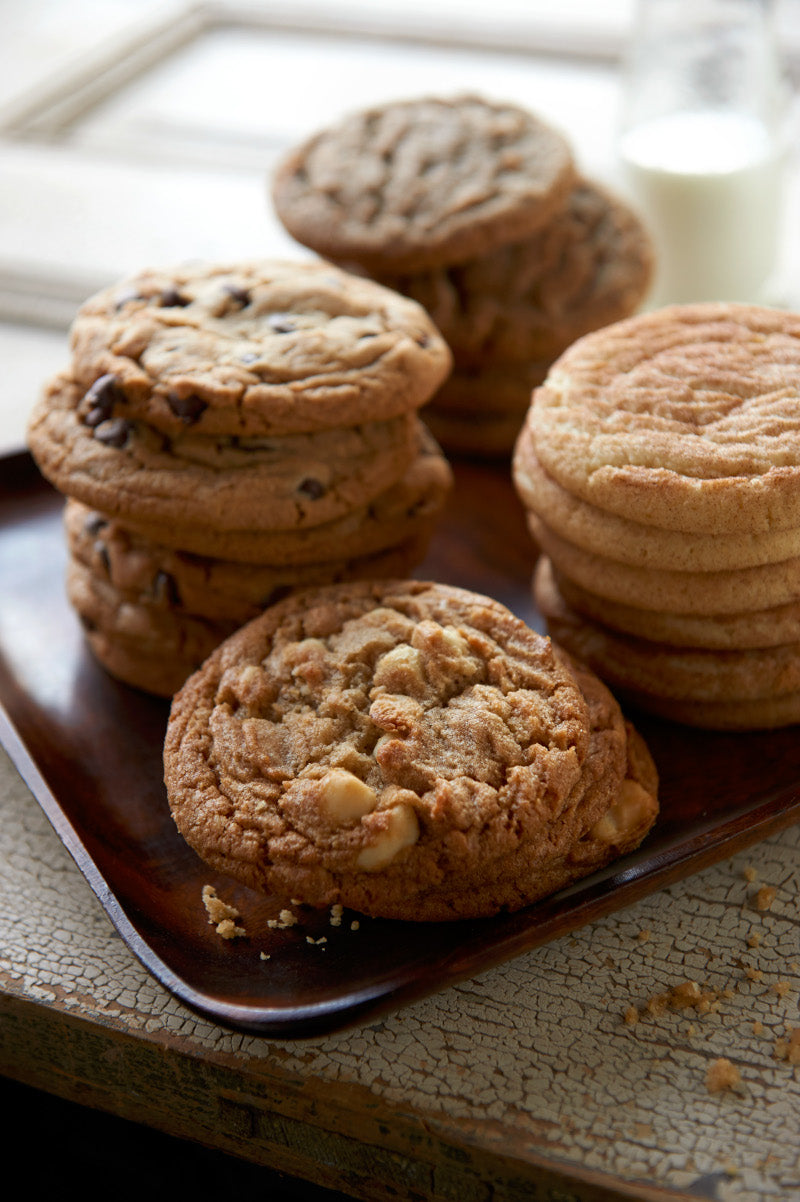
<point>701,593</point>
<point>407,509</point>
<point>720,632</point>
<point>413,184</point>
<point>147,574</point>
<point>484,435</point>
<point>763,713</point>
<point>408,749</point>
<point>685,418</point>
<point>589,265</point>
<point>631,542</point>
<point>129,470</point>
<point>610,831</point>
<point>497,390</point>
<point>150,647</point>
<point>652,669</point>
<point>250,349</point>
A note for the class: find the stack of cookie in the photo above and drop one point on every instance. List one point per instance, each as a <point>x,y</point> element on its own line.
<point>475,209</point>
<point>226,434</point>
<point>660,467</point>
<point>430,756</point>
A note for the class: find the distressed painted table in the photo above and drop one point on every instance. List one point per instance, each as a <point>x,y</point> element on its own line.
<point>535,1080</point>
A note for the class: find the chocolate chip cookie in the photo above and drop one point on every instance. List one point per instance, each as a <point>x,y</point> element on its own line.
<point>128,469</point>
<point>253,348</point>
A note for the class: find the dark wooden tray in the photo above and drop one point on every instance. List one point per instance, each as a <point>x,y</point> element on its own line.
<point>90,750</point>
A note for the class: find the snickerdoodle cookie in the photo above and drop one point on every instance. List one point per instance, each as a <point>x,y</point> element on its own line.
<point>685,418</point>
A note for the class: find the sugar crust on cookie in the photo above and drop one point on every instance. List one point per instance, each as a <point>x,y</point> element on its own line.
<point>685,418</point>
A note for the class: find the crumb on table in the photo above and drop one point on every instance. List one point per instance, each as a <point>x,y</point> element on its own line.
<point>765,897</point>
<point>789,1049</point>
<point>722,1074</point>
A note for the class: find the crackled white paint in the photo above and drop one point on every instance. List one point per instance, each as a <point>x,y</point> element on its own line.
<point>532,1055</point>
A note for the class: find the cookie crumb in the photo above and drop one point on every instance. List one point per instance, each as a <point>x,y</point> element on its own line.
<point>781,988</point>
<point>643,935</point>
<point>227,929</point>
<point>722,1075</point>
<point>631,1016</point>
<point>753,974</point>
<point>264,956</point>
<point>788,1049</point>
<point>336,915</point>
<point>355,924</point>
<point>758,1027</point>
<point>221,915</point>
<point>285,919</point>
<point>688,993</point>
<point>750,874</point>
<point>765,897</point>
<point>754,939</point>
<point>316,942</point>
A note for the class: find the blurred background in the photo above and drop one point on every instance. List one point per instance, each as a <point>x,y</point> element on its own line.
<point>136,133</point>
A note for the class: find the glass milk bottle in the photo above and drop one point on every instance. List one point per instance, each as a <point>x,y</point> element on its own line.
<point>701,144</point>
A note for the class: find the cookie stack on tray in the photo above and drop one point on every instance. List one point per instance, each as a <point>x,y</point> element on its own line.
<point>431,757</point>
<point>225,434</point>
<point>475,209</point>
<point>660,468</point>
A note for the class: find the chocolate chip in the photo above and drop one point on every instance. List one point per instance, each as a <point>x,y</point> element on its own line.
<point>124,298</point>
<point>311,488</point>
<point>165,590</point>
<point>171,298</point>
<point>240,295</point>
<point>187,408</point>
<point>94,524</point>
<point>101,551</point>
<point>100,400</point>
<point>281,323</point>
<point>114,433</point>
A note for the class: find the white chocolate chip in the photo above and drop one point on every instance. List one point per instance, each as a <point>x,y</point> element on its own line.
<point>631,809</point>
<point>345,798</point>
<point>402,830</point>
<point>455,641</point>
<point>400,671</point>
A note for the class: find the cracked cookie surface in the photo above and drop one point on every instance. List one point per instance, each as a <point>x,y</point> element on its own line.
<point>421,182</point>
<point>257,348</point>
<point>408,749</point>
<point>590,265</point>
